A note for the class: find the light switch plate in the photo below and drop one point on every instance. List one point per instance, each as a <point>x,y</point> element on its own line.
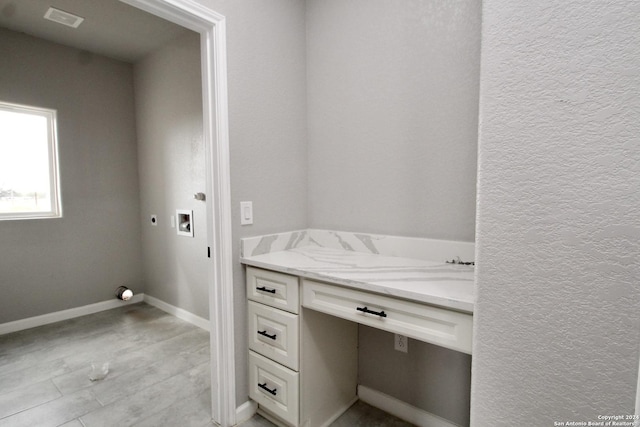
<point>246,213</point>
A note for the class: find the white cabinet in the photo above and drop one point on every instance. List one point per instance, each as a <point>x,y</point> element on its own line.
<point>303,352</point>
<point>275,289</point>
<point>446,328</point>
<point>302,364</point>
<point>274,387</point>
<point>274,333</point>
<point>274,342</point>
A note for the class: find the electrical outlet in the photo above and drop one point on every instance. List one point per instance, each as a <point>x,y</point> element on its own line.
<point>401,343</point>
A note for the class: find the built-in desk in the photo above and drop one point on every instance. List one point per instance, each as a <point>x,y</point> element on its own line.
<point>304,306</point>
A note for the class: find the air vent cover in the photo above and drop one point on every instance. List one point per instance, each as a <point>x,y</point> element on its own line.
<point>62,17</point>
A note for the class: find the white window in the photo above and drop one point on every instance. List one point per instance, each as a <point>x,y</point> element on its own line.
<point>29,184</point>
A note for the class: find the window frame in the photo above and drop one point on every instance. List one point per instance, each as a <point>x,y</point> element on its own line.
<point>52,152</point>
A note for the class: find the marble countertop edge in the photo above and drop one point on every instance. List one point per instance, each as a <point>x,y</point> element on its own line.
<point>463,304</point>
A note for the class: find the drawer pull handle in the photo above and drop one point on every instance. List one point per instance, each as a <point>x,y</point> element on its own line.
<point>377,313</point>
<point>265,334</point>
<point>264,387</point>
<point>265,289</point>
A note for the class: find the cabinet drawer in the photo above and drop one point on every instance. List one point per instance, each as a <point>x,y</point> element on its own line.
<point>274,289</point>
<point>439,326</point>
<point>274,387</point>
<point>274,334</point>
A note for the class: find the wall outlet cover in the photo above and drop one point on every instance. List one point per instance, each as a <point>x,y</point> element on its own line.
<point>401,343</point>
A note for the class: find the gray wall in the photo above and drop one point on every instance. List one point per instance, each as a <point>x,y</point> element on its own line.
<point>267,118</point>
<point>427,376</point>
<point>168,99</point>
<point>48,265</point>
<point>393,116</point>
<point>557,321</point>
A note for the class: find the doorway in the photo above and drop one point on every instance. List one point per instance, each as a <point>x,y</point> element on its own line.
<point>211,27</point>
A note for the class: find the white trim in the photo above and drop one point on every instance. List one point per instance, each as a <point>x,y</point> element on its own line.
<point>212,29</point>
<point>178,312</point>
<point>219,233</point>
<point>401,409</point>
<point>50,116</point>
<point>219,224</point>
<point>57,316</point>
<point>245,411</point>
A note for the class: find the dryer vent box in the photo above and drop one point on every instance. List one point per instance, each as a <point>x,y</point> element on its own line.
<point>184,222</point>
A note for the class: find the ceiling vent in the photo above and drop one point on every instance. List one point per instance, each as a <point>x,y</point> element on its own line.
<point>62,17</point>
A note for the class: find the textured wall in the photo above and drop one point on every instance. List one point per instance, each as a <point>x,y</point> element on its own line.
<point>47,265</point>
<point>557,321</point>
<point>267,119</point>
<point>168,95</point>
<point>392,113</point>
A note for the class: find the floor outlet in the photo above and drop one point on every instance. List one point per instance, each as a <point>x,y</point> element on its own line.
<point>401,343</point>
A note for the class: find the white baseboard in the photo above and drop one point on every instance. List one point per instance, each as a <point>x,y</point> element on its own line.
<point>177,312</point>
<point>246,411</point>
<point>401,409</point>
<point>45,319</point>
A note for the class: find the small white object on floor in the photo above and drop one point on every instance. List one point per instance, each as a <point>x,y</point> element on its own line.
<point>98,371</point>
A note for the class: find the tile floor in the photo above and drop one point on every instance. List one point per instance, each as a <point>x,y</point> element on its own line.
<point>158,375</point>
<point>359,415</point>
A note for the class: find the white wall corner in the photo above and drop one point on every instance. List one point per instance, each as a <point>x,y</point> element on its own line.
<point>178,312</point>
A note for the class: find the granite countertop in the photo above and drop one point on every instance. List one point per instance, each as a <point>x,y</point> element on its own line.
<point>437,283</point>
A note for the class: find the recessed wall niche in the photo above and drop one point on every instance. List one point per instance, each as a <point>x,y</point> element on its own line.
<point>184,220</point>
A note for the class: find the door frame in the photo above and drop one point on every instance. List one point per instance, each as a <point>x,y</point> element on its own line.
<point>213,53</point>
